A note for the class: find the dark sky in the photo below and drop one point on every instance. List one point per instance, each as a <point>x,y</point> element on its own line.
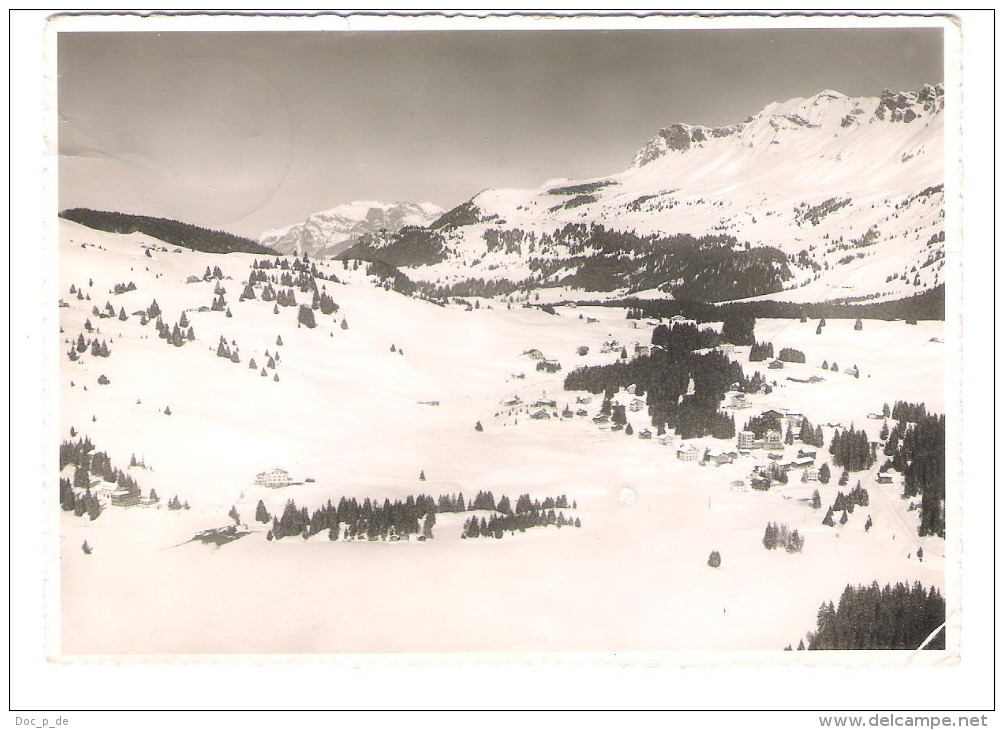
<point>245,131</point>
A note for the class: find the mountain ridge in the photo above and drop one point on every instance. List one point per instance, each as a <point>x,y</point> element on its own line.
<point>848,190</point>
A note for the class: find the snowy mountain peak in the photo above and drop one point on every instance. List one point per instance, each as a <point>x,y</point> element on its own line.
<point>828,110</point>
<point>331,231</point>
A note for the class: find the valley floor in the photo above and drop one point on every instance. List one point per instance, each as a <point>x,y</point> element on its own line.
<point>357,419</point>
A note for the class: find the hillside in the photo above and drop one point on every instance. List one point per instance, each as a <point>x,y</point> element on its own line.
<point>170,232</point>
<point>809,200</point>
<point>387,396</point>
<point>330,232</point>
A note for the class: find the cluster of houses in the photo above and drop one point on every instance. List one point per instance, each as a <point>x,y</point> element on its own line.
<point>717,457</point>
<point>806,459</point>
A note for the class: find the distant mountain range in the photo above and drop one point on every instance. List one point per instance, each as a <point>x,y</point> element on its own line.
<point>828,198</point>
<point>332,231</point>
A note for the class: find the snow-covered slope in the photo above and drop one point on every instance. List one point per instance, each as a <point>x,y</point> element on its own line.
<point>331,231</point>
<point>362,420</point>
<point>848,190</point>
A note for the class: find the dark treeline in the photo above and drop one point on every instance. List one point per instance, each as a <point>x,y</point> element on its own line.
<point>928,305</point>
<point>169,231</point>
<point>352,520</point>
<point>497,525</point>
<point>917,451</point>
<point>665,375</point>
<point>710,267</point>
<point>908,412</point>
<point>790,354</point>
<point>894,617</point>
<point>411,246</point>
<point>761,351</point>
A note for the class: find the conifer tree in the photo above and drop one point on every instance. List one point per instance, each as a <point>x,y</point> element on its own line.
<point>868,523</point>
<point>86,548</point>
<point>828,520</point>
<point>714,560</point>
<point>843,518</point>
<point>421,478</point>
<point>261,514</point>
<point>824,473</point>
<point>305,317</point>
<point>478,427</point>
<point>816,502</point>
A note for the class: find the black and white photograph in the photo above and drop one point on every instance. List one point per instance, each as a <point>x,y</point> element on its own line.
<point>453,337</point>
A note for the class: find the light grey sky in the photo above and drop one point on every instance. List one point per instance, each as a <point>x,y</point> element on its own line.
<point>245,131</point>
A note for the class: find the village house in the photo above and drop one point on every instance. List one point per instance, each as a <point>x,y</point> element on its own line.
<point>772,440</point>
<point>793,420</point>
<point>632,388</point>
<point>545,404</point>
<point>636,405</point>
<point>884,479</point>
<point>273,478</point>
<point>775,365</point>
<point>583,400</point>
<point>746,439</point>
<point>802,462</point>
<point>812,474</point>
<point>679,319</point>
<point>644,434</point>
<point>688,452</point>
<point>120,496</point>
<point>738,400</point>
<point>727,348</point>
<point>719,457</point>
<point>640,350</point>
<point>541,415</point>
<point>810,453</point>
<point>601,419</point>
<point>582,412</point>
